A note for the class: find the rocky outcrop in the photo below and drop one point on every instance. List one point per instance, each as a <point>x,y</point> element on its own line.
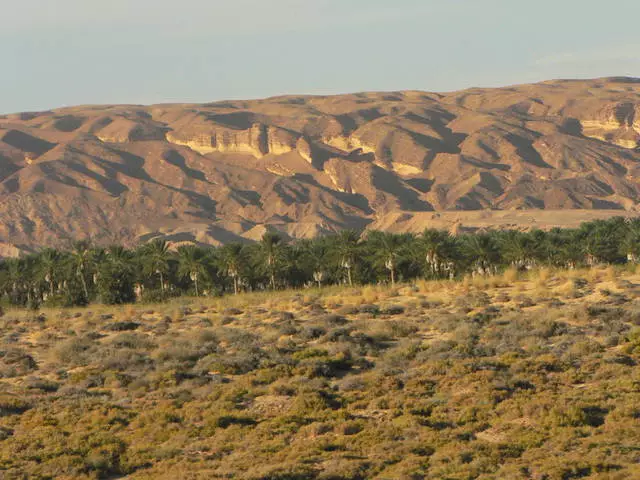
<point>618,124</point>
<point>258,140</point>
<point>303,147</point>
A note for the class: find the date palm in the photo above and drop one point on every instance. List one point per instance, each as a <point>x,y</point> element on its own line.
<point>272,255</point>
<point>48,268</point>
<point>14,275</point>
<point>313,258</point>
<point>388,249</point>
<point>482,250</point>
<point>191,264</point>
<point>81,263</point>
<point>631,242</point>
<point>439,252</point>
<point>347,251</point>
<point>155,258</point>
<point>520,249</point>
<point>120,257</point>
<point>231,260</point>
<point>115,258</point>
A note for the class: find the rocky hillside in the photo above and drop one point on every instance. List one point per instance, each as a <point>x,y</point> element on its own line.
<point>305,165</point>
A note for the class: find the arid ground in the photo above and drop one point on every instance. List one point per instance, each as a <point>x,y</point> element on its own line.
<point>520,376</point>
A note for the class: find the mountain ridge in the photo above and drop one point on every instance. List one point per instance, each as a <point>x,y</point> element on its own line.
<point>314,164</point>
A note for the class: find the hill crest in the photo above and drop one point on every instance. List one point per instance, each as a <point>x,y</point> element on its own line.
<point>307,165</point>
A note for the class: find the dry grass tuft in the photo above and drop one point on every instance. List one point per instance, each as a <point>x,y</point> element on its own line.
<point>510,276</point>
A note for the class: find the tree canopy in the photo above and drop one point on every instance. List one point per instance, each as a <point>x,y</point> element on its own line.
<point>156,271</point>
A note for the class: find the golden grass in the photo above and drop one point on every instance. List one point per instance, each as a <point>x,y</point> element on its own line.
<point>172,391</point>
<point>540,282</point>
<point>510,275</point>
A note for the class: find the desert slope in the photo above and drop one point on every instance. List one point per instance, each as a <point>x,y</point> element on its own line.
<point>306,165</point>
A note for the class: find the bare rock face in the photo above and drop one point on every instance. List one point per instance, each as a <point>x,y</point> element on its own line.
<point>304,149</point>
<point>618,124</point>
<point>306,165</point>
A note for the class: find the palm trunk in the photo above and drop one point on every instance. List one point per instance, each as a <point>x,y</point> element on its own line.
<point>349,277</point>
<point>161,281</point>
<point>196,283</point>
<point>84,286</point>
<point>273,281</point>
<point>235,285</point>
<point>393,277</point>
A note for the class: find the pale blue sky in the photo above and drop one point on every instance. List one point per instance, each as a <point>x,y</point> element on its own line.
<point>67,52</point>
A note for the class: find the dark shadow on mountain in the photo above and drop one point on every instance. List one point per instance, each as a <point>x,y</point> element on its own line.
<point>321,153</point>
<point>347,221</point>
<point>407,198</point>
<point>109,184</point>
<point>571,126</point>
<point>352,199</point>
<point>132,165</point>
<point>234,120</point>
<point>526,151</point>
<point>291,192</point>
<point>623,80</point>
<point>177,160</point>
<point>486,165</point>
<point>68,123</point>
<point>599,204</point>
<point>7,168</point>
<point>100,123</point>
<point>421,184</point>
<point>491,183</point>
<point>246,197</point>
<point>616,167</point>
<point>11,185</point>
<point>489,150</point>
<point>436,145</point>
<point>27,143</point>
<point>224,236</point>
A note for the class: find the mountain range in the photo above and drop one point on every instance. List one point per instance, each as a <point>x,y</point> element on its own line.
<point>548,154</point>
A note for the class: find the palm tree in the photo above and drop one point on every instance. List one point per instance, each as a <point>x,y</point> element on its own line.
<point>314,257</point>
<point>439,251</point>
<point>156,257</point>
<point>81,263</point>
<point>519,249</point>
<point>560,248</point>
<point>231,260</point>
<point>14,277</point>
<point>115,275</point>
<point>49,267</point>
<point>120,257</point>
<point>271,254</point>
<point>347,251</point>
<point>482,250</point>
<point>388,248</point>
<point>116,258</point>
<point>630,246</point>
<point>4,278</point>
<point>191,264</point>
<point>601,240</point>
<point>99,258</point>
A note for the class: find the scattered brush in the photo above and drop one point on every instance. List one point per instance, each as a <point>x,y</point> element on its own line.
<point>510,276</point>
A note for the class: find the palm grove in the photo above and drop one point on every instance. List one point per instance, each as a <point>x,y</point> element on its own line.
<point>155,272</point>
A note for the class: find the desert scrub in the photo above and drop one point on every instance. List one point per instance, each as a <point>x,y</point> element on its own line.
<point>456,386</point>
